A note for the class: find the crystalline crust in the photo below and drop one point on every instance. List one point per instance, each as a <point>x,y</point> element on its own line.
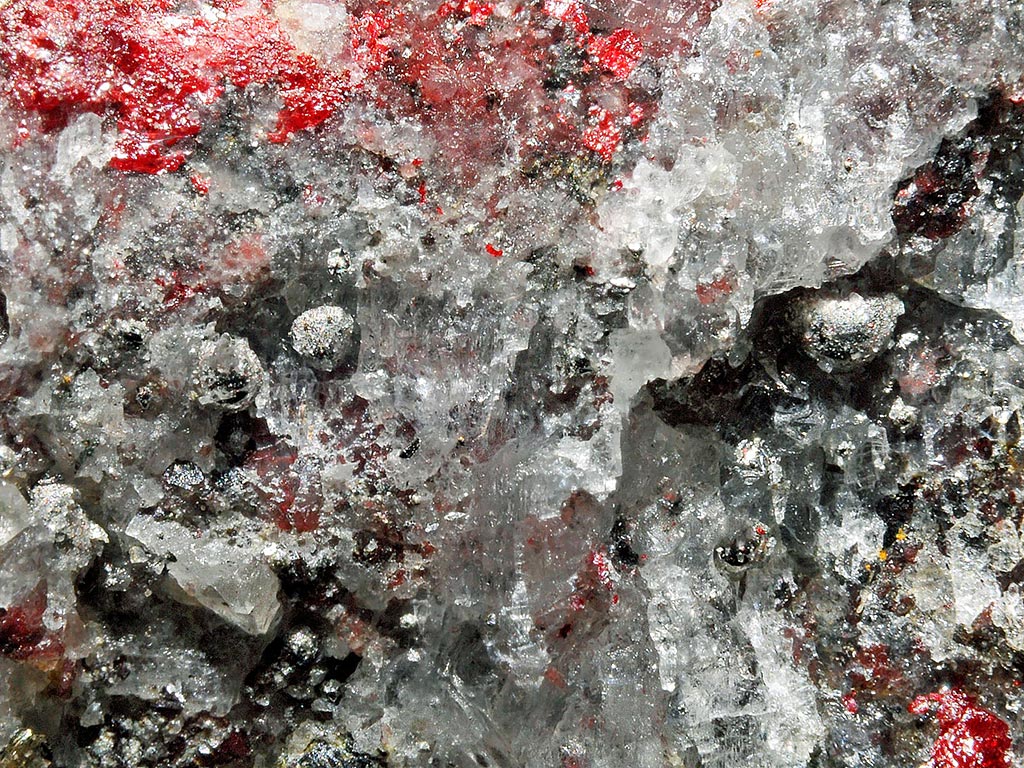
<point>564,383</point>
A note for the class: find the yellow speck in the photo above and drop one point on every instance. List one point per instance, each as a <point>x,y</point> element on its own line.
<point>67,378</point>
<point>867,566</point>
<point>757,53</point>
<point>901,535</point>
<point>883,555</point>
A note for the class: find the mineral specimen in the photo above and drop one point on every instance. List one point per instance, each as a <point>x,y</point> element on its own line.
<point>746,549</point>
<point>843,333</point>
<point>544,384</point>
<point>323,335</point>
<point>228,374</point>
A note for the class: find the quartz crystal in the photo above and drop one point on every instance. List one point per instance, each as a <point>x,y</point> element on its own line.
<point>526,384</point>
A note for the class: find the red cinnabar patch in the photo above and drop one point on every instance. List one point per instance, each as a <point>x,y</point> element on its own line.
<point>969,736</point>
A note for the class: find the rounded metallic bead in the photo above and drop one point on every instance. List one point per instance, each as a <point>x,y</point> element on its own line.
<point>841,333</point>
<point>323,335</point>
<point>749,547</point>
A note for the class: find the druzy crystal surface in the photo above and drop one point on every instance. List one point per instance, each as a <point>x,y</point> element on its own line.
<point>512,384</point>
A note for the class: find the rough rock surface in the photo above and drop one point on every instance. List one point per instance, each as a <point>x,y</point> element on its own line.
<point>555,384</point>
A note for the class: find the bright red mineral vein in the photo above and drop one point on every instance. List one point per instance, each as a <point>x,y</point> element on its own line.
<point>969,735</point>
<point>618,53</point>
<point>480,84</point>
<point>155,69</point>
